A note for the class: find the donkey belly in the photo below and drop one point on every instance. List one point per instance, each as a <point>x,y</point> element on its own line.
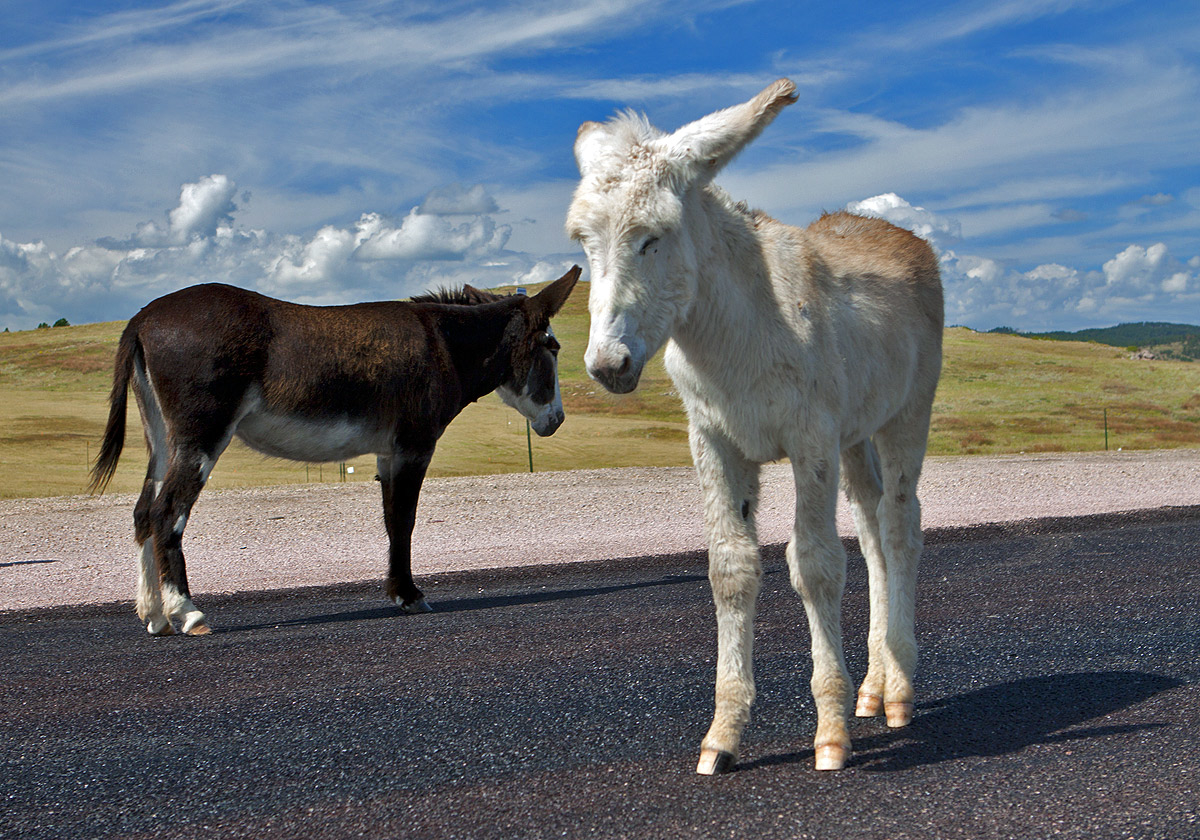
<point>300,438</point>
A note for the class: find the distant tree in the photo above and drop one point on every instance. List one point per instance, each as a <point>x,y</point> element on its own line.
<point>1003,330</point>
<point>43,326</point>
<point>62,322</point>
<point>1191,347</point>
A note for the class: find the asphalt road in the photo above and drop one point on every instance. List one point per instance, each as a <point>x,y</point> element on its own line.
<point>1059,695</point>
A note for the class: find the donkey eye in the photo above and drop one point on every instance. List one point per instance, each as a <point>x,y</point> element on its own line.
<point>548,341</point>
<point>648,244</point>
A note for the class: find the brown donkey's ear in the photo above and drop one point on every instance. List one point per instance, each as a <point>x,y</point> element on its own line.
<point>479,295</point>
<point>552,298</point>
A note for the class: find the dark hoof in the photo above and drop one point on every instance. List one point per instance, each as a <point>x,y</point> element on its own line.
<point>714,762</point>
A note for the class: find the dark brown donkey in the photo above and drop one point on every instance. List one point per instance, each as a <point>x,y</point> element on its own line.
<point>313,383</point>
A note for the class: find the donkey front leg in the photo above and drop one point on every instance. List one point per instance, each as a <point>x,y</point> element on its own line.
<point>400,477</point>
<point>817,562</point>
<point>730,486</point>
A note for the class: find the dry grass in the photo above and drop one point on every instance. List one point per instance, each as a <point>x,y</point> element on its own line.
<point>999,394</point>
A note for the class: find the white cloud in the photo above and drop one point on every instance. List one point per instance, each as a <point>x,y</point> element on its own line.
<point>1139,283</point>
<point>373,258</point>
<point>424,237</point>
<point>940,231</point>
<point>202,206</point>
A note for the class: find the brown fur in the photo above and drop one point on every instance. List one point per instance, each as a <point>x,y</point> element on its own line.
<point>318,384</point>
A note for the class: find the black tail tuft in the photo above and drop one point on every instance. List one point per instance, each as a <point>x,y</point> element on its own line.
<point>114,432</point>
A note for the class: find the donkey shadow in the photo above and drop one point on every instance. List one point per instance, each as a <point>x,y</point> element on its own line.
<point>1003,719</point>
<point>484,602</point>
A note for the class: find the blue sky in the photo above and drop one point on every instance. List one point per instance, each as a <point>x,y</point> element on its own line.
<point>336,152</point>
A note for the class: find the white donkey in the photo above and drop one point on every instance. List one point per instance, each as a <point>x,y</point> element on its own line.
<point>822,345</point>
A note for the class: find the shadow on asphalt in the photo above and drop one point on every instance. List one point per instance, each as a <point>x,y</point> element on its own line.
<point>24,563</point>
<point>455,605</point>
<point>1002,719</point>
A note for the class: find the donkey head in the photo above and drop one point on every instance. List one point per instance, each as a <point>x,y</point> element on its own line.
<point>635,214</point>
<point>532,385</point>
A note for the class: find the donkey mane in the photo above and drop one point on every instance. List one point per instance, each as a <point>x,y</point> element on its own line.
<point>466,296</point>
<point>631,128</point>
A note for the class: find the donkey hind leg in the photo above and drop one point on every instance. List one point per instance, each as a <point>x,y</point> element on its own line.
<point>902,451</point>
<point>817,563</point>
<point>400,479</point>
<point>149,594</point>
<point>730,486</point>
<point>864,487</point>
<point>149,591</point>
<point>187,473</point>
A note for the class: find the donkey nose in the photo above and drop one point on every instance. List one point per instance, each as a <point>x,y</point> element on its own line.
<point>548,423</point>
<point>615,369</point>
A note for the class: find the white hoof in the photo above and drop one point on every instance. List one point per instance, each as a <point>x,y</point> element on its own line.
<point>715,762</point>
<point>159,626</point>
<point>194,624</point>
<point>831,757</point>
<point>869,705</point>
<point>416,607</point>
<point>898,714</point>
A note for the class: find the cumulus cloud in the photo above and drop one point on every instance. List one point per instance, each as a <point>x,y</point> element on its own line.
<point>202,207</point>
<point>1139,283</point>
<point>938,230</point>
<point>376,257</point>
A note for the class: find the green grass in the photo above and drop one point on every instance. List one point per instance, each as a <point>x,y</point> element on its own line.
<point>999,394</point>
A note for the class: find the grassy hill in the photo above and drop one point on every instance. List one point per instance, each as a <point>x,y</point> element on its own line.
<point>1181,341</point>
<point>1000,393</point>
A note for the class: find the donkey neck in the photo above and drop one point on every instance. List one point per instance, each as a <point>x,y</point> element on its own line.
<point>735,310</point>
<point>478,347</point>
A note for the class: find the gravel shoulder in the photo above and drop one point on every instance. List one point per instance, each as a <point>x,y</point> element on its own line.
<point>79,549</point>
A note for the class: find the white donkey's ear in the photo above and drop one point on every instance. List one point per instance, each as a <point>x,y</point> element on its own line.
<point>589,143</point>
<point>703,147</point>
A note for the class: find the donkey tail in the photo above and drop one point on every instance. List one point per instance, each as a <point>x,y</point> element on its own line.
<point>114,432</point>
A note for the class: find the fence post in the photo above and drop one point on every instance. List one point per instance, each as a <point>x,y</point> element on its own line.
<point>1106,430</point>
<point>529,444</point>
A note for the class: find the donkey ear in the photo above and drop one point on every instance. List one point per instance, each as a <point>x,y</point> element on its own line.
<point>479,295</point>
<point>703,147</point>
<point>551,299</point>
<point>588,145</point>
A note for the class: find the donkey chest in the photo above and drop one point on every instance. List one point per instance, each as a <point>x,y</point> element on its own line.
<point>764,416</point>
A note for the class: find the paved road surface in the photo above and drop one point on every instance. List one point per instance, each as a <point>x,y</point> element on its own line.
<point>1058,696</point>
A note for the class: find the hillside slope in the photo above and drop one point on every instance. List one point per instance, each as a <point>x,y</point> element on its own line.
<point>999,394</point>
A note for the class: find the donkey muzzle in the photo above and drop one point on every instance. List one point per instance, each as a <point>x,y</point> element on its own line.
<point>548,421</point>
<point>615,366</point>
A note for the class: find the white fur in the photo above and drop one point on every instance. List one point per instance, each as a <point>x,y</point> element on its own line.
<point>822,345</point>
<point>300,439</point>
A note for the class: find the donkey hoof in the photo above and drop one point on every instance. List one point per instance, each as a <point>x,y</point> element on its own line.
<point>159,627</point>
<point>194,624</point>
<point>898,714</point>
<point>714,762</point>
<point>869,706</point>
<point>832,757</point>
<point>415,607</point>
